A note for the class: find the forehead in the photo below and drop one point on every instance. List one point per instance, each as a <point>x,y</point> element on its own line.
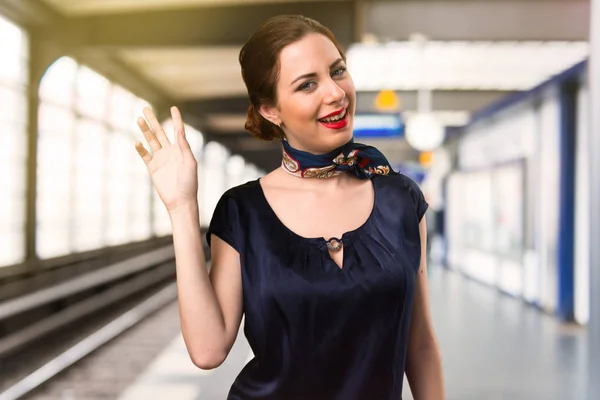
<point>313,53</point>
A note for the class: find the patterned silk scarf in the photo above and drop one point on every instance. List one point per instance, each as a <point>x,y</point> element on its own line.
<point>362,160</point>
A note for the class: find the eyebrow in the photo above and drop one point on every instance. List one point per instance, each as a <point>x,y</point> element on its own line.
<point>314,74</point>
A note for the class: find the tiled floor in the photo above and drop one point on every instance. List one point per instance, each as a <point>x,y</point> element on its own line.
<point>494,348</point>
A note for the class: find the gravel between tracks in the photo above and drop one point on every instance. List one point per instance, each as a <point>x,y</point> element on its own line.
<point>108,371</point>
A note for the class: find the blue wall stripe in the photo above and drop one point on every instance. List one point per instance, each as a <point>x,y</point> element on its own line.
<point>566,233</point>
<point>572,73</point>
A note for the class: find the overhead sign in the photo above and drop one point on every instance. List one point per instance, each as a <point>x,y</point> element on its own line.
<point>387,100</point>
<point>378,125</point>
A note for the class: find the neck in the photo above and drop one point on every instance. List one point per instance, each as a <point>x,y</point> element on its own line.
<point>314,183</point>
<point>312,151</point>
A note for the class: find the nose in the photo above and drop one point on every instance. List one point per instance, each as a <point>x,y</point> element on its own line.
<point>334,93</point>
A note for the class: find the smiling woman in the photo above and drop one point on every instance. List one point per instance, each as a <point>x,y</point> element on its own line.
<point>324,256</point>
<point>273,71</point>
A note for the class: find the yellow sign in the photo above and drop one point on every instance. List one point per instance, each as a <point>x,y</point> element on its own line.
<point>425,158</point>
<point>387,100</point>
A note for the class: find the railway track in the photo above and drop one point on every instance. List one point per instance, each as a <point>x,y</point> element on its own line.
<point>44,333</point>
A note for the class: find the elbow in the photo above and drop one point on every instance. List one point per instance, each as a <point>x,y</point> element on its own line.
<point>207,360</point>
<point>430,346</point>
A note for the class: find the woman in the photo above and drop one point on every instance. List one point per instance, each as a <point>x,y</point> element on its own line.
<point>341,318</point>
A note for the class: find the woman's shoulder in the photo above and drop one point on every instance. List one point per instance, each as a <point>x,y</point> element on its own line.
<point>398,181</point>
<point>242,192</point>
<point>403,187</point>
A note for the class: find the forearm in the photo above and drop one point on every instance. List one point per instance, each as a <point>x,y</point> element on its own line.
<point>202,321</point>
<point>424,373</point>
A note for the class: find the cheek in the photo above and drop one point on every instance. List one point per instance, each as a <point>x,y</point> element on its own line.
<point>301,116</point>
<point>303,110</point>
<point>348,86</point>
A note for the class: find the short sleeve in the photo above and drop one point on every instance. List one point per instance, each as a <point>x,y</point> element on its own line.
<point>418,198</point>
<point>225,222</point>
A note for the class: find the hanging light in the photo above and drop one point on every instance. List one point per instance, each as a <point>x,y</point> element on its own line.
<point>424,132</point>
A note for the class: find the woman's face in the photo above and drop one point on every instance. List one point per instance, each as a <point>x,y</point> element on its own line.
<point>315,96</point>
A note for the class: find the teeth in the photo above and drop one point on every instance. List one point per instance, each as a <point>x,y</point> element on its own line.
<point>336,118</point>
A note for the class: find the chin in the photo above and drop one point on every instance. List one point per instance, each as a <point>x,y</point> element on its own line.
<point>344,137</point>
<point>337,140</point>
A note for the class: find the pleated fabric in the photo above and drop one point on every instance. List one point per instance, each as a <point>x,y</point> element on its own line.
<point>319,331</point>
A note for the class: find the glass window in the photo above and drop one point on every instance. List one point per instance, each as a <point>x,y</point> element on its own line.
<point>13,105</point>
<point>121,108</point>
<point>119,160</point>
<point>213,179</point>
<point>92,92</point>
<point>252,173</point>
<point>93,190</point>
<point>88,185</point>
<point>53,195</point>
<point>13,120</point>
<point>235,171</point>
<point>55,119</point>
<point>57,84</point>
<point>14,47</point>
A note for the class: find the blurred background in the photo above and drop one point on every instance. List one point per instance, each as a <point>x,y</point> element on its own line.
<point>487,104</point>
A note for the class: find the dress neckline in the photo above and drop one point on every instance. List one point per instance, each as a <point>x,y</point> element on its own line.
<point>319,240</point>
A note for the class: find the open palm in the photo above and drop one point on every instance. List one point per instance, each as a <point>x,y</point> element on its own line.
<point>172,166</point>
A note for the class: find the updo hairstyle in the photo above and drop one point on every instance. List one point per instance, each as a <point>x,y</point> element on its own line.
<point>259,59</point>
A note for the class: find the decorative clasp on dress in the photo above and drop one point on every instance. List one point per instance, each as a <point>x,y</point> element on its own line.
<point>334,244</point>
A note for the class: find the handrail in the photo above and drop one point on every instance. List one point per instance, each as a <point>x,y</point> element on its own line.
<point>91,343</point>
<point>89,280</point>
<point>19,339</point>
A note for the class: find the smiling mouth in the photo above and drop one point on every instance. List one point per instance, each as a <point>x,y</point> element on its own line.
<point>334,118</point>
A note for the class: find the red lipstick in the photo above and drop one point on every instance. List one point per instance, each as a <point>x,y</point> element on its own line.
<point>334,113</point>
<point>340,124</point>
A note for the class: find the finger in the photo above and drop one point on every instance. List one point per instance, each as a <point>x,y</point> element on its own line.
<point>177,122</point>
<point>156,128</point>
<point>180,137</point>
<point>143,152</point>
<point>149,135</point>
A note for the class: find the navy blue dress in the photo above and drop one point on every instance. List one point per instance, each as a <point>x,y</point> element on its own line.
<point>319,331</point>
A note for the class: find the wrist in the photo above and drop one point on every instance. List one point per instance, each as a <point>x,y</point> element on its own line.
<point>187,210</point>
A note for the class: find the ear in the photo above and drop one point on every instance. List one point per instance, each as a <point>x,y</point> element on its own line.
<point>270,114</point>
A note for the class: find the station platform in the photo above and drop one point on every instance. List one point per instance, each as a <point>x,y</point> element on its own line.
<point>494,347</point>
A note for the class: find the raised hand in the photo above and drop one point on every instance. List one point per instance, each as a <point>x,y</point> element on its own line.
<point>172,166</point>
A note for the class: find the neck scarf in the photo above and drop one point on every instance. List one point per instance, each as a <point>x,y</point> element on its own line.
<point>362,160</point>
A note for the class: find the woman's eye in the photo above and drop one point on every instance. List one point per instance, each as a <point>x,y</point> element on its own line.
<point>339,71</point>
<point>306,86</point>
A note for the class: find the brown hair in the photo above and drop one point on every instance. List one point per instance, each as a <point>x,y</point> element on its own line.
<point>259,59</point>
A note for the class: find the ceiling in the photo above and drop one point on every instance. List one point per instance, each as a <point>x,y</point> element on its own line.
<point>95,7</point>
<point>185,52</point>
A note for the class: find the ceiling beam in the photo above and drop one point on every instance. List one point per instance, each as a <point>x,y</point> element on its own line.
<point>105,63</point>
<point>203,26</point>
<point>233,105</point>
<point>30,14</point>
<point>479,20</point>
<point>447,100</point>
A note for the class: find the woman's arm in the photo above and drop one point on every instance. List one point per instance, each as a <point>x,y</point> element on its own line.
<point>210,306</point>
<point>424,360</point>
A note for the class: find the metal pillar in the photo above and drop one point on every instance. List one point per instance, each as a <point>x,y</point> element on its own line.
<point>594,87</point>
